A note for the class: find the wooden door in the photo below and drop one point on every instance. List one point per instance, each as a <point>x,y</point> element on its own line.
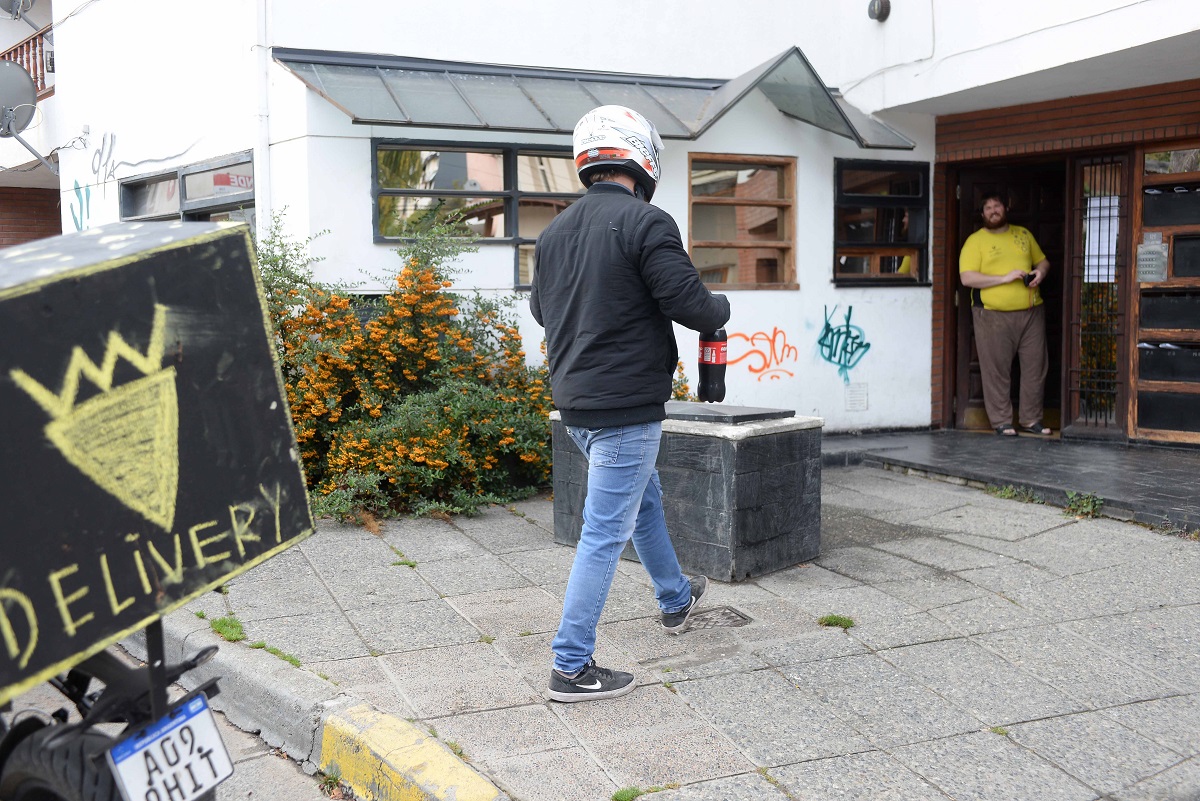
<point>1037,201</point>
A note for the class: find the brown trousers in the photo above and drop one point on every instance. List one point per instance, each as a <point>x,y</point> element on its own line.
<point>998,337</point>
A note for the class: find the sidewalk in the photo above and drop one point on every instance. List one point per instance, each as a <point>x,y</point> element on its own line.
<point>1000,651</point>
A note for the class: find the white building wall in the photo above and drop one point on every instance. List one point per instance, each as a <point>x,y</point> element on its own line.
<point>158,90</point>
<point>146,91</point>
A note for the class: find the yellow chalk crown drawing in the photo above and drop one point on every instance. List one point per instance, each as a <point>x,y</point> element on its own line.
<point>125,439</point>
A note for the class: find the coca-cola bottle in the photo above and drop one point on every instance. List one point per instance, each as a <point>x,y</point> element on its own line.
<point>714,349</point>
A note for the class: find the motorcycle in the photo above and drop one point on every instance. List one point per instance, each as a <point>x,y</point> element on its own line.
<point>159,751</point>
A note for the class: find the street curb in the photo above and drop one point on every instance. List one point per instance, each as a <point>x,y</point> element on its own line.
<point>381,757</point>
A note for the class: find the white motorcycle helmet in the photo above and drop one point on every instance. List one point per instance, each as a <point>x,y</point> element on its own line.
<point>615,137</point>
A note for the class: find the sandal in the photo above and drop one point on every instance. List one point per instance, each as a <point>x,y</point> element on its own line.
<point>1037,429</point>
<point>1006,431</point>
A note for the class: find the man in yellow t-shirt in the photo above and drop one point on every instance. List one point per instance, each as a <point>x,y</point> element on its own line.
<point>1003,266</point>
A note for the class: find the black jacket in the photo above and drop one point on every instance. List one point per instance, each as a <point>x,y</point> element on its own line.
<point>610,274</point>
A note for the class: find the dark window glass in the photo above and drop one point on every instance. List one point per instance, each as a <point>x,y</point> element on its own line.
<point>880,221</point>
<point>1185,261</point>
<point>1171,205</point>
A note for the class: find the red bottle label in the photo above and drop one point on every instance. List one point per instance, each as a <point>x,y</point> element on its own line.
<point>713,352</point>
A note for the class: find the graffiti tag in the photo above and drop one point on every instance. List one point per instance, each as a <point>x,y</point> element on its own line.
<point>767,352</point>
<point>843,345</point>
<point>104,165</point>
<point>84,196</point>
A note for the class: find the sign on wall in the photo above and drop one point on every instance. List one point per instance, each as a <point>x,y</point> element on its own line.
<point>147,453</point>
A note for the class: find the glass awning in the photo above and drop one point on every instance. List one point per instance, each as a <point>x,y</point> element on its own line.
<point>395,90</point>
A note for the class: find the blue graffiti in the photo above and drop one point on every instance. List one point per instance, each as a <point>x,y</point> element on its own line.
<point>843,345</point>
<point>84,196</point>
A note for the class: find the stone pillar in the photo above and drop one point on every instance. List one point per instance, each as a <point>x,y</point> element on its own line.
<point>741,488</point>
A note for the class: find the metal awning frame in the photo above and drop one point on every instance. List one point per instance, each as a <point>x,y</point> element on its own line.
<point>722,95</point>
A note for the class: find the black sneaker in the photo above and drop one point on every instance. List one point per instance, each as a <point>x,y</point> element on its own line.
<point>677,622</point>
<point>592,684</point>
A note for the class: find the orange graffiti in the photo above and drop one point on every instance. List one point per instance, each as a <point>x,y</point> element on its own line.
<point>767,352</point>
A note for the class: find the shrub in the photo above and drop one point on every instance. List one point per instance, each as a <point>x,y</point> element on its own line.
<point>419,400</point>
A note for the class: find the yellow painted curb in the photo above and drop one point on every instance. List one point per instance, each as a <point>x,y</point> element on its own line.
<point>386,759</point>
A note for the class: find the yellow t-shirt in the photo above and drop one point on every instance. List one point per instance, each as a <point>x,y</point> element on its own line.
<point>997,254</point>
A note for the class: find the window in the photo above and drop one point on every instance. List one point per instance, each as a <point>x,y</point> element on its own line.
<point>881,222</point>
<point>740,226</point>
<point>220,189</point>
<point>501,194</point>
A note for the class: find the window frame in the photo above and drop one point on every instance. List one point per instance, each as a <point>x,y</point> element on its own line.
<point>512,195</point>
<point>201,208</point>
<point>876,252</point>
<point>787,216</point>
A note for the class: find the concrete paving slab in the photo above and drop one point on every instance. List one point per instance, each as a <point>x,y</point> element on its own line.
<point>813,646</point>
<point>702,664</point>
<point>504,531</point>
<point>843,527</point>
<point>987,613</point>
<point>510,612</point>
<point>1179,782</point>
<point>276,598</point>
<point>1070,549</point>
<point>1171,722</point>
<point>364,678</point>
<point>425,540</point>
<point>894,633</point>
<point>769,720</point>
<point>1120,589</point>
<point>933,591</point>
<point>879,701</point>
<point>1095,749</point>
<point>379,585</point>
<point>980,682</point>
<point>416,625</point>
<point>471,575</point>
<point>944,554</point>
<point>496,734</point>
<point>1015,524</point>
<point>1075,667</point>
<point>861,604</point>
<point>869,776</point>
<point>309,638</point>
<point>808,576</point>
<point>651,737</point>
<point>644,640</point>
<point>746,787</point>
<point>987,767</point>
<point>549,565</point>
<point>1164,642</point>
<point>552,776</point>
<point>1006,579</point>
<point>455,679</point>
<point>872,565</point>
<point>290,564</point>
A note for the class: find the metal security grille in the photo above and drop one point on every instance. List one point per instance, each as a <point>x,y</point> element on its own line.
<point>1100,216</point>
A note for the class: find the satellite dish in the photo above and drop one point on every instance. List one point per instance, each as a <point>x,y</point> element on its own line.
<point>18,96</point>
<point>11,7</point>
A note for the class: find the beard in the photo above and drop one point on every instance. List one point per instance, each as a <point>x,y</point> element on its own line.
<point>994,224</point>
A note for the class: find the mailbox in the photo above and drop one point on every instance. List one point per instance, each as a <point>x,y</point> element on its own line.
<point>146,453</point>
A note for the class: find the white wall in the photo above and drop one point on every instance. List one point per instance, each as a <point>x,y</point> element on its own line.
<point>154,89</point>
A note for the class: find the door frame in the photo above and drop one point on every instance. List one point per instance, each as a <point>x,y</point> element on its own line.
<point>955,303</point>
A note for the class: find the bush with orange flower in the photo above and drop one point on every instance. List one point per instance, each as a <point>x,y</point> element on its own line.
<point>418,400</point>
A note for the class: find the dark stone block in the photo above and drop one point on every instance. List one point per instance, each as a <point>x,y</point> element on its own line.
<point>735,508</point>
<point>720,413</point>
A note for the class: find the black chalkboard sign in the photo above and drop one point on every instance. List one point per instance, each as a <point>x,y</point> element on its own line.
<point>146,451</point>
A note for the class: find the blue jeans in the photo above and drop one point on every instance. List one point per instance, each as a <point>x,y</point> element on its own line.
<point>624,500</point>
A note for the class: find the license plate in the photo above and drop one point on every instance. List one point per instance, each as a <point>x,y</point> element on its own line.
<point>177,758</point>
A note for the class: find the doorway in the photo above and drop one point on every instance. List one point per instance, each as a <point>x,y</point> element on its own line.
<point>1037,200</point>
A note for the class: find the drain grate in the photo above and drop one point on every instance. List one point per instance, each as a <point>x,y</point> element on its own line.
<point>719,617</point>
